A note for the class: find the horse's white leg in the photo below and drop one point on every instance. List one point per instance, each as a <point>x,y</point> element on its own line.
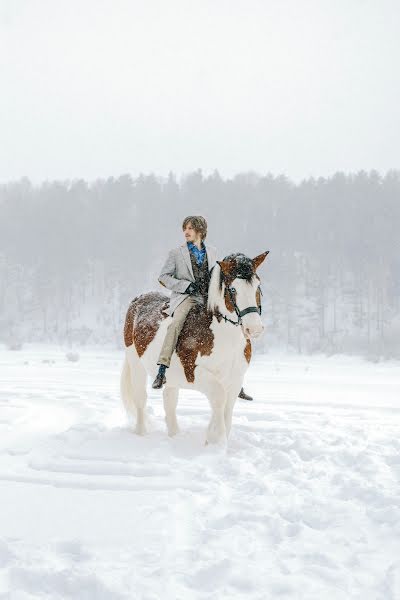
<point>126,390</point>
<point>231,397</point>
<point>170,396</point>
<point>230,403</point>
<point>216,431</point>
<point>216,395</point>
<point>138,380</point>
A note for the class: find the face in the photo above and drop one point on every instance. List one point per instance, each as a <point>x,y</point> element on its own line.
<point>190,234</point>
<point>245,295</point>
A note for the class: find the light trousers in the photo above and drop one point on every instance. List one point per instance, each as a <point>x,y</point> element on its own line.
<point>174,329</point>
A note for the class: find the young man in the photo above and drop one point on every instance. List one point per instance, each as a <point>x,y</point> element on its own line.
<point>186,273</point>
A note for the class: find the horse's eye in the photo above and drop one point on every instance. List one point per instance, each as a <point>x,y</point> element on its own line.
<point>233,290</point>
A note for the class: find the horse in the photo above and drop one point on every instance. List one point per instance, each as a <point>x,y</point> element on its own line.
<point>213,350</point>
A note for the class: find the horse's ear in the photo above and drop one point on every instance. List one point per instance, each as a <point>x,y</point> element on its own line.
<point>258,260</point>
<point>226,266</point>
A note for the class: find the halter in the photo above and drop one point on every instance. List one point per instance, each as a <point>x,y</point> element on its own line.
<point>240,313</point>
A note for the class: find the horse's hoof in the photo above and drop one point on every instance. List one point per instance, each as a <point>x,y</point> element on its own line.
<point>140,430</point>
<point>173,431</point>
<point>217,442</point>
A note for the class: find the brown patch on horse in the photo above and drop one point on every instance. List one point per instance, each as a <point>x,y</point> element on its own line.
<point>128,327</point>
<point>228,268</point>
<point>143,319</point>
<point>258,297</point>
<point>196,337</point>
<point>229,303</point>
<point>247,351</point>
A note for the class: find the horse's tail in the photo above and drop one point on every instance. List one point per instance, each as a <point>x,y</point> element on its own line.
<point>126,389</point>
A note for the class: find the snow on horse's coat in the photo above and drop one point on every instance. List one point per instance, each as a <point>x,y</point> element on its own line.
<point>212,354</point>
<point>143,320</point>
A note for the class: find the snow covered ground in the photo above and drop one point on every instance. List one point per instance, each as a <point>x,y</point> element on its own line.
<point>303,504</point>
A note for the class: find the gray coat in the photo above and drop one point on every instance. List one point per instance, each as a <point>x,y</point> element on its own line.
<point>177,273</point>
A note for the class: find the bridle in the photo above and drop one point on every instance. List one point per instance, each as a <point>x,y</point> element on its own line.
<point>240,313</point>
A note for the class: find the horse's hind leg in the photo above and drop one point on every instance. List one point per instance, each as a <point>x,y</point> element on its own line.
<point>138,380</point>
<point>170,396</point>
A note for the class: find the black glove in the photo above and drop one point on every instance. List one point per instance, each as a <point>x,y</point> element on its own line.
<point>192,289</point>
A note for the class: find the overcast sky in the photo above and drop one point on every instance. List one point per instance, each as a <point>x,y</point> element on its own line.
<point>93,88</point>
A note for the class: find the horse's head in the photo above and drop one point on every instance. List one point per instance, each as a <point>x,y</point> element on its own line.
<point>235,292</point>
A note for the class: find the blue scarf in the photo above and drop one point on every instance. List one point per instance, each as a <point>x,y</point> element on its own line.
<point>198,254</point>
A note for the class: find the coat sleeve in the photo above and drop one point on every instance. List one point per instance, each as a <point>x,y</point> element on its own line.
<point>167,276</point>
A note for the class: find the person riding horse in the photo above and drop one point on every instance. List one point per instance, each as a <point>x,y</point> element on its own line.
<point>195,260</point>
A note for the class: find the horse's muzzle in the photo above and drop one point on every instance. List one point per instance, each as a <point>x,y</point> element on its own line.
<point>252,332</point>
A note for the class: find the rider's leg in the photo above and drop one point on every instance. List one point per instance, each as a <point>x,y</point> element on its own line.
<point>171,338</point>
<point>173,331</point>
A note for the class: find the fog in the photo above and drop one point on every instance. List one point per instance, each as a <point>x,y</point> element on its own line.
<point>278,122</point>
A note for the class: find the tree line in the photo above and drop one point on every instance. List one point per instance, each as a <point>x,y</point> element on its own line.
<point>73,254</point>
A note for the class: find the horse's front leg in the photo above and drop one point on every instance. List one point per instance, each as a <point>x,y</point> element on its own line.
<point>216,431</point>
<point>207,383</point>
<point>170,396</point>
<point>231,396</point>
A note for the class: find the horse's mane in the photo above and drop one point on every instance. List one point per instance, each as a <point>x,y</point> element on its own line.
<point>214,302</point>
<point>242,266</point>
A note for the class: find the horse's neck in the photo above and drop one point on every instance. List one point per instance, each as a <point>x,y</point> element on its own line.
<point>229,341</point>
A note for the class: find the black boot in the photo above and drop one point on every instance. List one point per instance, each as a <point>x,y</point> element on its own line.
<point>244,396</point>
<point>160,379</point>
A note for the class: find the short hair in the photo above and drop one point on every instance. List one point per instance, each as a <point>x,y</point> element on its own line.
<point>198,223</point>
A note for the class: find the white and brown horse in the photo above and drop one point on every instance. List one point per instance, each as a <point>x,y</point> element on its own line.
<point>213,350</point>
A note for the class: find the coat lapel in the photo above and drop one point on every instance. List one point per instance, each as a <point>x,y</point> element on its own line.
<point>186,256</point>
<point>210,257</point>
